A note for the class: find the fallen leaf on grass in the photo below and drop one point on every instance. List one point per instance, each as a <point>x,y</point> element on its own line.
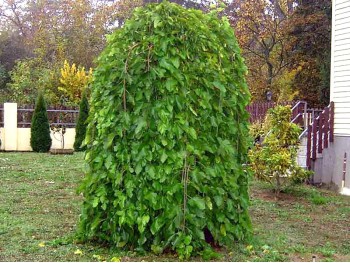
<point>115,259</point>
<point>98,257</point>
<point>78,252</point>
<point>42,244</point>
<point>249,247</point>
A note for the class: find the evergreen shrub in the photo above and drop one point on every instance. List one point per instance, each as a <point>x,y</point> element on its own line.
<point>80,129</point>
<point>40,139</point>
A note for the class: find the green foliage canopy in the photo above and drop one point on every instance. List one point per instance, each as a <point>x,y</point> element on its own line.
<point>40,139</point>
<point>29,78</point>
<point>168,135</point>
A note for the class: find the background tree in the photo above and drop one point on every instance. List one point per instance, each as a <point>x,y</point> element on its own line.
<point>40,139</point>
<point>260,31</point>
<point>81,126</point>
<point>282,41</point>
<point>309,31</point>
<point>4,79</point>
<point>29,78</point>
<point>47,30</point>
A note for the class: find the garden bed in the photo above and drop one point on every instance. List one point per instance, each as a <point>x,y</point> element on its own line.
<point>61,151</point>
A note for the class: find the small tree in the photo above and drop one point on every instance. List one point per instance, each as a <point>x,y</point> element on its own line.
<point>40,139</point>
<point>275,161</point>
<point>81,124</point>
<point>73,81</point>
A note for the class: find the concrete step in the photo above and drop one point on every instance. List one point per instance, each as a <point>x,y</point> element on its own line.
<point>301,160</point>
<point>302,150</point>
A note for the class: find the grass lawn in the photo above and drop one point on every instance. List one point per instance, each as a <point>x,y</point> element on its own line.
<point>39,209</point>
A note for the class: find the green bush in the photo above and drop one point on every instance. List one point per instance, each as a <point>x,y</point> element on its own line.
<point>167,135</point>
<point>29,77</point>
<point>275,160</point>
<point>40,139</point>
<point>81,124</point>
<point>317,199</point>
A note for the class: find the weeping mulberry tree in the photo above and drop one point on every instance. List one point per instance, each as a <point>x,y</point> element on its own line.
<point>167,135</point>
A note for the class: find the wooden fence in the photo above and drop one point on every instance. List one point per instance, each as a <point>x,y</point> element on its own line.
<point>68,115</point>
<point>57,115</point>
<point>258,110</point>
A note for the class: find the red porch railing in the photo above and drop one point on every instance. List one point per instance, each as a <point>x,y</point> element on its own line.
<point>258,110</point>
<point>319,133</point>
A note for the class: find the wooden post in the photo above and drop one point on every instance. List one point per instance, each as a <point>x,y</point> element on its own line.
<point>314,138</point>
<point>320,132</point>
<point>305,115</point>
<point>308,147</point>
<point>326,128</point>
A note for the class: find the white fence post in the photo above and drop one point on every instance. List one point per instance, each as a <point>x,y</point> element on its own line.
<point>10,126</point>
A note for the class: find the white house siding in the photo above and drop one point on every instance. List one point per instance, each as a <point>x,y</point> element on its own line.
<point>340,69</point>
<point>328,167</point>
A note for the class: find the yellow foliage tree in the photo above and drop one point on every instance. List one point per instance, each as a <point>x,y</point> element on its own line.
<point>283,85</point>
<point>74,80</point>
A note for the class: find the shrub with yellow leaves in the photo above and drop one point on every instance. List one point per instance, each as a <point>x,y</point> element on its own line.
<point>74,80</point>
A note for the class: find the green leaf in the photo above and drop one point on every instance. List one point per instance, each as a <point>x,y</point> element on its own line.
<point>142,222</point>
<point>145,219</point>
<point>157,21</point>
<point>164,64</point>
<point>200,233</point>
<point>170,84</point>
<point>157,249</point>
<point>141,123</point>
<point>138,168</point>
<point>192,110</point>
<point>175,61</point>
<point>95,202</point>
<point>218,200</point>
<point>223,229</point>
<point>209,203</point>
<point>187,240</point>
<point>121,244</point>
<point>192,132</point>
<point>109,140</point>
<point>164,142</point>
<point>197,202</point>
<point>152,197</point>
<point>220,86</point>
<point>163,157</point>
<point>157,224</point>
<point>151,172</point>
